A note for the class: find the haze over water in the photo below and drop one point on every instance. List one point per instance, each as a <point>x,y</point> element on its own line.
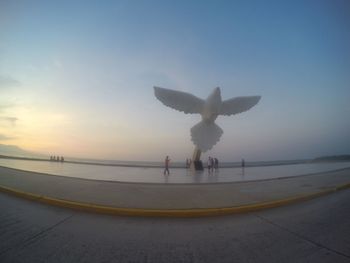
<point>177,175</point>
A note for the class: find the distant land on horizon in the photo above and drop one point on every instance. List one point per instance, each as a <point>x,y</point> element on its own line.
<point>343,157</point>
<point>15,151</point>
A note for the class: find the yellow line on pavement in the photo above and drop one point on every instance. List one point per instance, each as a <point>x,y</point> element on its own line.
<point>195,212</point>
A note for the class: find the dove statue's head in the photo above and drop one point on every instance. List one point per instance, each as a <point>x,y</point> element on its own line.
<point>217,91</point>
<point>215,97</point>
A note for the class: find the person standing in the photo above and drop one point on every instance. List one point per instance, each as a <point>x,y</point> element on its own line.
<point>166,169</point>
<point>209,164</point>
<point>243,165</point>
<point>216,163</point>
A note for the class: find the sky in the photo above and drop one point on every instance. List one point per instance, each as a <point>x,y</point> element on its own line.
<point>77,77</point>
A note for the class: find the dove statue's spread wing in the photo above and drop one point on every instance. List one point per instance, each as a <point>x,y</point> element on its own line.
<point>179,100</point>
<point>238,105</point>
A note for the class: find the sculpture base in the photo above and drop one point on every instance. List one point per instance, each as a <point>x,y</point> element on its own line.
<point>197,165</point>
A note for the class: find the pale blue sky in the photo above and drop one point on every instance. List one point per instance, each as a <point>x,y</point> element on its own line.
<point>78,77</point>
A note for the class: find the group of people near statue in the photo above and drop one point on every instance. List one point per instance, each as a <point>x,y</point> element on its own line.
<point>213,164</point>
<point>56,158</point>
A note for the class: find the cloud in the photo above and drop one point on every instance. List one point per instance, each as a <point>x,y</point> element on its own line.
<point>10,120</point>
<point>5,106</point>
<point>7,81</point>
<point>5,137</point>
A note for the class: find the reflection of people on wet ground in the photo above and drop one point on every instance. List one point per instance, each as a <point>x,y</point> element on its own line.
<point>197,176</point>
<point>243,171</point>
<point>167,161</point>
<point>188,163</point>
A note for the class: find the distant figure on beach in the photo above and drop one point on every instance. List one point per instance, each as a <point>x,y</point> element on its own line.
<point>188,163</point>
<point>62,159</point>
<point>243,163</point>
<point>209,163</point>
<point>212,163</point>
<point>216,163</point>
<point>166,169</point>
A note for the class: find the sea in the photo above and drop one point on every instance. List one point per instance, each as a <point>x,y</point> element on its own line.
<point>152,172</point>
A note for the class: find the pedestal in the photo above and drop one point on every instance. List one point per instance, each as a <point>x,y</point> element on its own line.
<point>196,164</point>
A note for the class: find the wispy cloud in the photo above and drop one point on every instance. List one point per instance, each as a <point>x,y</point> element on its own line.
<point>9,120</point>
<point>4,106</point>
<point>4,137</point>
<point>7,81</point>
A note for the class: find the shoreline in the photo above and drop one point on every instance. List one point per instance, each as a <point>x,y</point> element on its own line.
<point>174,183</point>
<point>175,165</point>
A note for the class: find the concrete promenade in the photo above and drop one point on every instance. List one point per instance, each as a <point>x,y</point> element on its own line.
<point>306,232</point>
<point>105,195</point>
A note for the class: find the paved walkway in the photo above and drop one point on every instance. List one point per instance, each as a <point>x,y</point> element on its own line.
<point>313,231</point>
<point>172,196</point>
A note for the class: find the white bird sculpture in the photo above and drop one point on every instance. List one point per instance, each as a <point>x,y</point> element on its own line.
<point>206,133</point>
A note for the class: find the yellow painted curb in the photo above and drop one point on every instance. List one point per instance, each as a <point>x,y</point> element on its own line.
<point>196,212</point>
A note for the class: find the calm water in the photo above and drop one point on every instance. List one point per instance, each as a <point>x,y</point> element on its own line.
<point>179,175</point>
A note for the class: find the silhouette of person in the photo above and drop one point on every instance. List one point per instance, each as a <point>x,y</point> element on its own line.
<point>243,163</point>
<point>212,164</point>
<point>216,161</point>
<point>209,163</point>
<point>167,161</point>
